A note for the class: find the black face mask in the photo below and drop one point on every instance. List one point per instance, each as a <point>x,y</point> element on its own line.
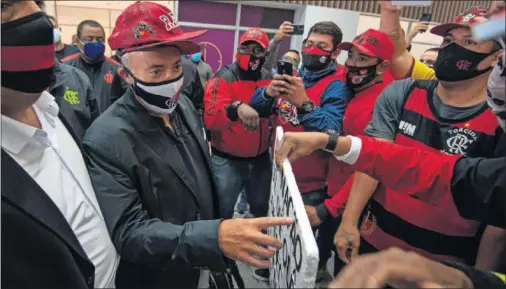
<point>359,76</point>
<point>28,57</point>
<point>316,59</point>
<point>456,63</point>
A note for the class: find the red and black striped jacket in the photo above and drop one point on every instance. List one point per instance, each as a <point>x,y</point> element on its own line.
<point>401,219</point>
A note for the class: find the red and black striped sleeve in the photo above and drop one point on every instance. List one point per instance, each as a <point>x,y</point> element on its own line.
<point>477,186</point>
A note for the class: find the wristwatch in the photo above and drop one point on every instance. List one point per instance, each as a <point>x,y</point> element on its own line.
<point>333,139</point>
<point>232,110</point>
<point>306,107</point>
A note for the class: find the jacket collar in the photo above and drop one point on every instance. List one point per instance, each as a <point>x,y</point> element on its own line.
<point>153,135</point>
<point>310,78</point>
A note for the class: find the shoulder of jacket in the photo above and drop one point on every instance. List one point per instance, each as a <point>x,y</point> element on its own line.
<point>71,58</point>
<point>79,74</point>
<point>227,74</point>
<point>111,62</point>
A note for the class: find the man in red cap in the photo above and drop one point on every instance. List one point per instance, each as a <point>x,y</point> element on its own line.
<point>449,116</point>
<point>239,137</point>
<point>149,163</point>
<point>368,60</point>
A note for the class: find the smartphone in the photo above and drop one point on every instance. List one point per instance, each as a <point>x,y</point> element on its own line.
<point>426,18</point>
<point>285,68</point>
<point>411,3</point>
<point>298,29</point>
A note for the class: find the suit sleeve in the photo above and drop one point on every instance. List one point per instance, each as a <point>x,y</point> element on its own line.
<point>329,115</point>
<point>217,97</point>
<point>139,238</point>
<point>475,185</point>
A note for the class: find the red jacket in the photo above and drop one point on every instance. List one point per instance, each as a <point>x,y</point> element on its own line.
<point>231,84</point>
<point>358,114</point>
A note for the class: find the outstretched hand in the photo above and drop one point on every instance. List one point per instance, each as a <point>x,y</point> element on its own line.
<point>298,144</point>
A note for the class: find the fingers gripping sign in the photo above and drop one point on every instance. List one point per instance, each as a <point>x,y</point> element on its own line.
<point>243,240</point>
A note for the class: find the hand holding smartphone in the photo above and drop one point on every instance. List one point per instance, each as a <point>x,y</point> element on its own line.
<point>426,18</point>
<point>298,29</point>
<point>285,67</point>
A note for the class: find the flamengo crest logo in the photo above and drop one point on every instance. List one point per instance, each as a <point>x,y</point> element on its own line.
<point>459,141</point>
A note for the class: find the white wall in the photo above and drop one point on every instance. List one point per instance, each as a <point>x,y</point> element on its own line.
<point>346,20</point>
<point>421,42</point>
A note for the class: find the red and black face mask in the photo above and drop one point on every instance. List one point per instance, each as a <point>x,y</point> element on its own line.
<point>28,56</point>
<point>316,59</point>
<point>250,63</point>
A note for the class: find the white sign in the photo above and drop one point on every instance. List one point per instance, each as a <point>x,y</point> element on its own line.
<point>296,264</point>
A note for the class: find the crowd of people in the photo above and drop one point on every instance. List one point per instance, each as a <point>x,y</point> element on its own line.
<point>146,170</point>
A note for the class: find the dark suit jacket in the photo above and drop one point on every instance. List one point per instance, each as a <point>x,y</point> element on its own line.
<point>161,224</point>
<point>39,248</point>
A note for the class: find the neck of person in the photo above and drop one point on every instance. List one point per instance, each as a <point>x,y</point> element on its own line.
<point>27,116</point>
<point>92,62</point>
<point>464,93</point>
<point>59,46</point>
<point>376,80</point>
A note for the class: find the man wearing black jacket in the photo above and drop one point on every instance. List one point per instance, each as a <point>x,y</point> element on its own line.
<point>100,69</point>
<point>53,232</point>
<point>151,169</point>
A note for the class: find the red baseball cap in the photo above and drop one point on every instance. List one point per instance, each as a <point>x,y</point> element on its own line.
<point>256,35</point>
<point>146,24</point>
<point>372,43</point>
<point>465,19</point>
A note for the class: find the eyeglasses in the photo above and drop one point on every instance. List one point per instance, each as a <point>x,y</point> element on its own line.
<point>250,50</point>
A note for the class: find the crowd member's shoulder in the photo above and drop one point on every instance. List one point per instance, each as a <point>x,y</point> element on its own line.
<point>111,61</point>
<point>110,129</point>
<point>227,73</point>
<point>421,71</point>
<point>71,58</point>
<point>76,73</point>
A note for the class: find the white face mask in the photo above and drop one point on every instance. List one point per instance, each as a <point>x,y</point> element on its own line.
<point>56,35</point>
<point>159,98</point>
<point>496,93</point>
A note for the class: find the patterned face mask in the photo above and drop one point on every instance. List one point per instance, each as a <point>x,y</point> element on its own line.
<point>496,92</point>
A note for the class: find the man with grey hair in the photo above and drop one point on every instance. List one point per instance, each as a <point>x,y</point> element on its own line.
<point>151,169</point>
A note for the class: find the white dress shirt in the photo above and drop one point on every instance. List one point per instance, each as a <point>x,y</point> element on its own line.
<point>52,158</point>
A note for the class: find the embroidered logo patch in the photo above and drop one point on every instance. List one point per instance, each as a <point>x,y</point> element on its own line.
<point>142,30</point>
<point>71,96</point>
